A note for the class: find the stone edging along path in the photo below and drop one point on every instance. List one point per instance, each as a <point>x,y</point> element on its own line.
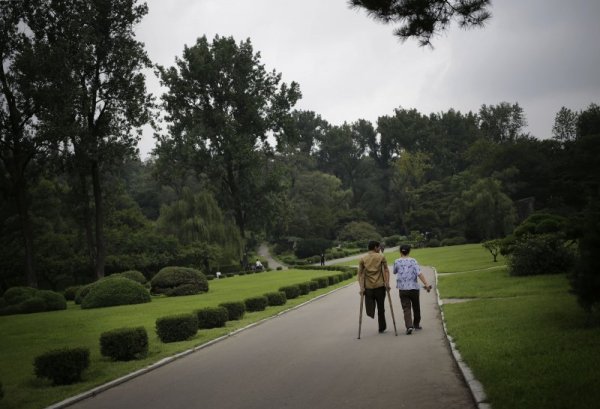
<point>474,385</point>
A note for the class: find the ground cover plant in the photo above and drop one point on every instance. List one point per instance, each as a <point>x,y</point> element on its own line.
<point>22,337</point>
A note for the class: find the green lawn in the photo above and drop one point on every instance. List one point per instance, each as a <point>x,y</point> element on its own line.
<point>22,337</point>
<point>524,337</point>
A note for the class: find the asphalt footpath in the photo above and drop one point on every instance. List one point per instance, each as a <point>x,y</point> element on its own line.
<point>309,357</point>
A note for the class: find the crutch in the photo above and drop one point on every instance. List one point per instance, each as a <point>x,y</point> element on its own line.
<point>392,310</point>
<point>362,301</point>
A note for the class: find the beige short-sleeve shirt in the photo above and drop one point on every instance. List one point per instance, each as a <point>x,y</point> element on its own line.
<point>372,264</point>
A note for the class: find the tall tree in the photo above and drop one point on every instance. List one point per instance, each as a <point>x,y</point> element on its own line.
<point>503,122</point>
<point>20,141</point>
<point>565,125</point>
<point>96,74</point>
<point>221,98</point>
<point>422,19</point>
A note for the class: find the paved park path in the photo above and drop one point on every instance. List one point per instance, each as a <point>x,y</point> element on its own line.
<point>311,358</point>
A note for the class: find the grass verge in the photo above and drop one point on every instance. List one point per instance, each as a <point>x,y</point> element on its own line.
<point>22,337</point>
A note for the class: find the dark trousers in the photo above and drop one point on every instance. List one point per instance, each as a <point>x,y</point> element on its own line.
<point>376,296</point>
<point>410,299</point>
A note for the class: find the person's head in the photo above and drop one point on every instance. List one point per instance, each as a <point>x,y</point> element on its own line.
<point>373,244</point>
<point>405,249</point>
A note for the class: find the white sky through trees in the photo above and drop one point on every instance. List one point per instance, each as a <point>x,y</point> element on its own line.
<point>543,54</point>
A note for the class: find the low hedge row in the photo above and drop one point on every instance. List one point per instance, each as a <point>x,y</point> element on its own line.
<point>62,366</point>
<point>65,366</point>
<point>124,344</point>
<point>212,317</point>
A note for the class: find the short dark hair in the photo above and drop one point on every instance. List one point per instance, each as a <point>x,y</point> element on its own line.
<point>373,244</point>
<point>405,249</point>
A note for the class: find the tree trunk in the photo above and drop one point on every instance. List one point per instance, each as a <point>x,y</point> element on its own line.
<point>100,246</point>
<point>87,219</point>
<point>27,231</point>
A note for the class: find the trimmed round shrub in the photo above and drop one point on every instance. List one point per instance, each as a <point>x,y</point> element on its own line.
<point>16,295</point>
<point>124,344</point>
<point>256,303</point>
<point>175,328</point>
<point>82,292</point>
<point>304,288</point>
<point>132,275</point>
<point>169,278</point>
<point>276,298</point>
<point>321,281</point>
<point>212,317</point>
<point>62,366</point>
<point>313,285</point>
<point>291,291</point>
<point>54,301</point>
<point>115,291</point>
<point>31,305</point>
<point>235,309</point>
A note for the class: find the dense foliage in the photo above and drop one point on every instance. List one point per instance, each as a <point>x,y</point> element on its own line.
<point>235,309</point>
<point>212,317</point>
<point>234,162</point>
<point>27,300</point>
<point>175,328</point>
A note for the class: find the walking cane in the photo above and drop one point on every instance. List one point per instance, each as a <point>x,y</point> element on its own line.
<point>362,300</point>
<point>392,310</point>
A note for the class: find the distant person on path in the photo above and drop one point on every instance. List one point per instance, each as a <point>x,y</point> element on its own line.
<point>374,281</point>
<point>407,271</point>
<point>322,259</point>
<point>258,265</point>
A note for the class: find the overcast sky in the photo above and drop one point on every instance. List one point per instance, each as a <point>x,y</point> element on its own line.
<point>543,54</point>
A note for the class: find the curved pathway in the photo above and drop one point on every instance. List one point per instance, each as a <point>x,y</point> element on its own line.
<point>309,357</point>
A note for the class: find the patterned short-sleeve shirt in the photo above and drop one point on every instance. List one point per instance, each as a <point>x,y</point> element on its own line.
<point>407,271</point>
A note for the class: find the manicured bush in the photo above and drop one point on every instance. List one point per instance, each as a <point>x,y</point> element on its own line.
<point>182,290</point>
<point>291,291</point>
<point>333,280</point>
<point>276,298</point>
<point>115,291</point>
<point>304,288</point>
<point>540,254</point>
<point>82,292</point>
<point>54,301</point>
<point>62,366</point>
<point>175,328</point>
<point>256,303</point>
<point>235,309</point>
<point>16,295</point>
<point>313,285</point>
<point>321,281</point>
<point>169,278</point>
<point>132,275</point>
<point>212,317</point>
<point>124,344</point>
<point>71,292</point>
<point>31,305</point>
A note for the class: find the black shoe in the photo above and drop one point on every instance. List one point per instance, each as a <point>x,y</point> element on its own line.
<point>418,327</point>
<point>409,330</point>
<point>382,330</point>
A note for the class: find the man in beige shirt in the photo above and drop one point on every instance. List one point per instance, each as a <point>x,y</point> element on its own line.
<point>374,281</point>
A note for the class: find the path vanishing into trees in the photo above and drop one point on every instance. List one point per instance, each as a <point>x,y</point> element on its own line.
<point>309,357</point>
